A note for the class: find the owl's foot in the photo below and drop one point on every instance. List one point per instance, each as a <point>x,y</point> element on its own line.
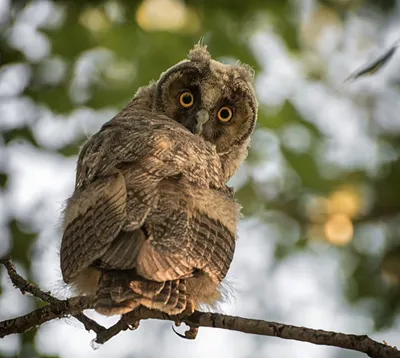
<point>191,333</point>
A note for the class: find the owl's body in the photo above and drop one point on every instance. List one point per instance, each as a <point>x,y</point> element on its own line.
<point>151,221</point>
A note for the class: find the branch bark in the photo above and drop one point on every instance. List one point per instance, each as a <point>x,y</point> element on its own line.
<point>26,287</point>
<point>75,306</point>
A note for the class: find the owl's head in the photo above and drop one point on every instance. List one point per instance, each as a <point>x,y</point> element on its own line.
<point>213,100</point>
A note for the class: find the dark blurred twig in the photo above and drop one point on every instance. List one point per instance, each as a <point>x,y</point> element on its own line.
<point>74,306</point>
<point>25,286</point>
<point>373,67</point>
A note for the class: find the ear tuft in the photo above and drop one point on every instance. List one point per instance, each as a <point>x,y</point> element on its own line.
<point>245,71</point>
<point>199,53</point>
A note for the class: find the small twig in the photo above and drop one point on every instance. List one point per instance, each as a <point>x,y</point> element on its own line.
<point>89,324</point>
<point>107,334</point>
<point>24,286</point>
<point>74,306</point>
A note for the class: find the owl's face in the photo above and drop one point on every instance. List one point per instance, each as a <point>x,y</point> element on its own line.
<point>211,99</point>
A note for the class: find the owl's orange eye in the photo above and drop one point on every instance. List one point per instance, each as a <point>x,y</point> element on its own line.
<point>225,114</point>
<point>186,99</point>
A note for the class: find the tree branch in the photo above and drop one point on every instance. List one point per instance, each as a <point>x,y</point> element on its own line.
<point>74,306</point>
<point>24,286</point>
<point>71,307</point>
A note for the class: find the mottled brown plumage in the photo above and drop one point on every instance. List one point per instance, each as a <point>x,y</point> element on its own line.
<point>151,221</point>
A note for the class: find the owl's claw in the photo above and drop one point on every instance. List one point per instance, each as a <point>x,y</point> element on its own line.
<point>177,333</point>
<point>191,333</point>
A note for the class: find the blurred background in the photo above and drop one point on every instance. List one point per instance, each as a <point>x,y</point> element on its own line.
<point>319,242</point>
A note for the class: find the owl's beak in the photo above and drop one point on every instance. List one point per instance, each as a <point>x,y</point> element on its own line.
<point>201,118</point>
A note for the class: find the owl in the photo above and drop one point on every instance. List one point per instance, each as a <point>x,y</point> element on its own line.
<point>152,221</point>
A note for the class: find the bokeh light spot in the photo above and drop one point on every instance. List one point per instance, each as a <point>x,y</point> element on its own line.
<point>339,229</point>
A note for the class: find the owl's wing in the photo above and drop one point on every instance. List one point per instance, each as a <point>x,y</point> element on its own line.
<point>206,246</point>
<point>118,171</point>
<point>93,218</point>
<point>194,231</point>
<point>212,245</point>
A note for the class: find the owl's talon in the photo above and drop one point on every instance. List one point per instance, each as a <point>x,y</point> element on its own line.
<point>191,333</point>
<point>177,333</point>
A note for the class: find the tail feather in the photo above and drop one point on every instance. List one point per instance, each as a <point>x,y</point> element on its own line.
<point>120,292</point>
